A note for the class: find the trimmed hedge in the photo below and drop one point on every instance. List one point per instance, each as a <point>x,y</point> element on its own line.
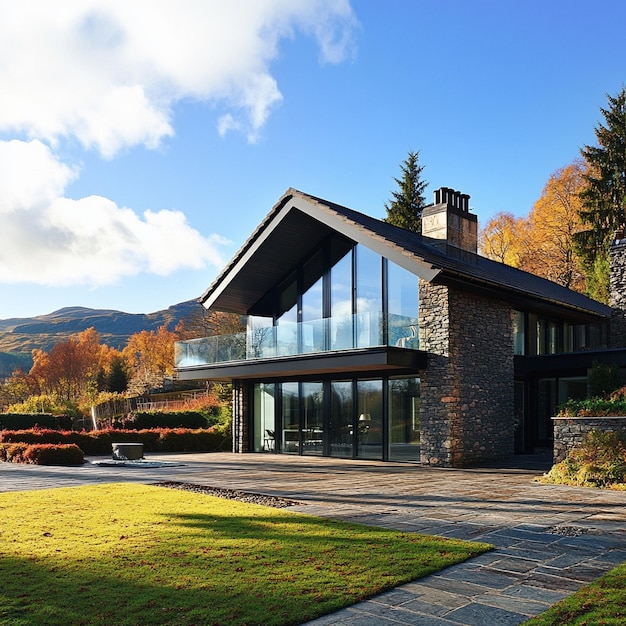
<point>98,442</point>
<point>143,420</point>
<point>23,421</point>
<point>42,454</point>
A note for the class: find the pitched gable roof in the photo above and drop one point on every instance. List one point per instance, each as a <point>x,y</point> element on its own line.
<point>299,222</point>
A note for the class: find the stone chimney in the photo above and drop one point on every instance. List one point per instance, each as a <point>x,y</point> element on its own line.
<point>617,289</point>
<point>449,221</point>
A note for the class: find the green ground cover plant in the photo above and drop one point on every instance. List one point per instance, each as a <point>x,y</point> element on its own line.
<point>598,461</point>
<point>136,554</point>
<point>601,602</point>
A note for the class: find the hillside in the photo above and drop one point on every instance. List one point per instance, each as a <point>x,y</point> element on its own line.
<point>18,336</point>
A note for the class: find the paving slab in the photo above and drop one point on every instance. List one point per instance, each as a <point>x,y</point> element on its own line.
<point>549,540</point>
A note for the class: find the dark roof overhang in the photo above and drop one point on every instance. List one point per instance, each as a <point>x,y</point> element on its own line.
<point>381,360</point>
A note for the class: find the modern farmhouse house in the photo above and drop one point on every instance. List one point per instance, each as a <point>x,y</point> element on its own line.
<point>365,340</point>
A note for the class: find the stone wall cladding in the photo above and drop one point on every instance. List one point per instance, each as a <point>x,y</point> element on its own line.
<point>617,291</point>
<point>467,390</point>
<point>571,431</point>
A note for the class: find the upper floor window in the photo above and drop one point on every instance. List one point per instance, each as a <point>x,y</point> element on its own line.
<point>364,299</point>
<point>535,335</point>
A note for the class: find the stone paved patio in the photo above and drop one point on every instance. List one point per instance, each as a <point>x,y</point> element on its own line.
<point>549,540</point>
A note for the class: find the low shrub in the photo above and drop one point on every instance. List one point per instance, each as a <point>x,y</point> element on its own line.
<point>599,461</point>
<point>98,442</point>
<point>609,405</point>
<point>42,454</point>
<point>141,420</point>
<point>23,421</point>
<point>50,454</point>
<point>12,452</point>
<point>184,440</point>
<point>594,407</point>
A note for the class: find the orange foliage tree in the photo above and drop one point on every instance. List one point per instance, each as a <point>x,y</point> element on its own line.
<point>150,357</point>
<point>502,238</point>
<point>552,223</point>
<point>543,243</point>
<point>71,369</point>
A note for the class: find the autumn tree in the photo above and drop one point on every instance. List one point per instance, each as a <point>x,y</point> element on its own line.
<point>19,387</point>
<point>604,196</point>
<point>70,370</point>
<point>150,358</point>
<point>502,238</point>
<point>549,247</point>
<point>405,209</point>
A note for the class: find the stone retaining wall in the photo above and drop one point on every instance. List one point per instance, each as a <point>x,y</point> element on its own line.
<point>570,431</point>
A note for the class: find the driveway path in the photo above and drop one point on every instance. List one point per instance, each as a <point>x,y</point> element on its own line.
<point>550,540</point>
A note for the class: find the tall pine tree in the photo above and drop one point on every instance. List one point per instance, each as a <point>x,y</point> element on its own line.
<point>405,210</point>
<point>604,197</point>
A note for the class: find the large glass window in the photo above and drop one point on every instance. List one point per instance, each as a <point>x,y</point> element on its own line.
<point>312,418</point>
<point>404,419</point>
<point>287,318</point>
<point>370,419</point>
<point>264,416</point>
<point>344,296</point>
<point>341,334</point>
<point>341,431</point>
<point>312,327</point>
<point>290,417</point>
<point>402,307</point>
<point>340,418</point>
<point>369,299</point>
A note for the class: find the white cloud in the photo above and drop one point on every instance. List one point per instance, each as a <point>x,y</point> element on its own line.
<point>105,75</point>
<point>30,177</point>
<point>50,240</point>
<point>108,72</point>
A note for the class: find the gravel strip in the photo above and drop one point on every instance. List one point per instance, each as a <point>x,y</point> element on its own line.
<point>231,494</point>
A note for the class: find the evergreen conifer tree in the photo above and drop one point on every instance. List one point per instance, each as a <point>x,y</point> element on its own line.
<point>604,197</point>
<point>405,210</point>
<point>117,380</point>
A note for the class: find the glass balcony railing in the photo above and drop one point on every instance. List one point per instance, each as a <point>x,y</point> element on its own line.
<point>365,330</point>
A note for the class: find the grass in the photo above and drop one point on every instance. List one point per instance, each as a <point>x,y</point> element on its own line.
<point>135,554</point>
<point>602,602</point>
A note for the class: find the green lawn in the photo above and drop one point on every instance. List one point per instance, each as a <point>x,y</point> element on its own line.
<point>601,602</point>
<point>134,554</point>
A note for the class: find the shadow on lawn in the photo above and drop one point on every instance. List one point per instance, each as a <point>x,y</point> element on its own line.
<point>36,593</point>
<point>271,569</point>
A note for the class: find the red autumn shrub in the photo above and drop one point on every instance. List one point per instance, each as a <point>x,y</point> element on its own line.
<point>98,442</point>
<point>50,454</point>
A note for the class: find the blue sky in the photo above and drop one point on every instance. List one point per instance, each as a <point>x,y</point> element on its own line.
<point>141,143</point>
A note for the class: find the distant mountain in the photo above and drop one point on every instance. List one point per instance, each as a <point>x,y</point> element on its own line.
<point>18,336</point>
